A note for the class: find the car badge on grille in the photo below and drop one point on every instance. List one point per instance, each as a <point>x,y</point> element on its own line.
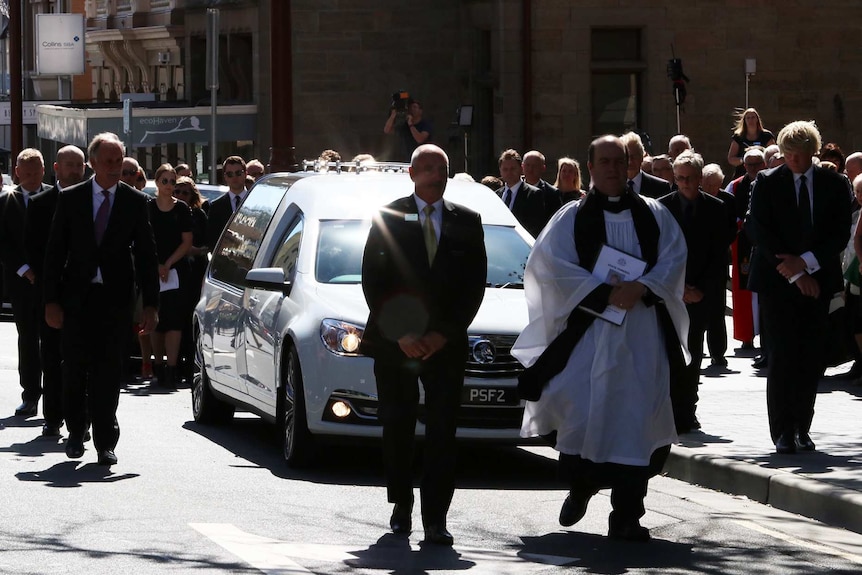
<point>484,351</point>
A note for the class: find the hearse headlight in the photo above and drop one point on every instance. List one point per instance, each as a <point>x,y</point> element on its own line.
<point>340,337</point>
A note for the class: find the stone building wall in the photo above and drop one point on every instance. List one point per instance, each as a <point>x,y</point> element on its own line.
<point>349,56</point>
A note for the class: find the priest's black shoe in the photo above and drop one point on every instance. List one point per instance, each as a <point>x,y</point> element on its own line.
<point>50,430</point>
<point>786,443</point>
<point>74,447</point>
<point>628,531</point>
<point>803,442</point>
<point>107,458</point>
<point>438,535</point>
<point>27,409</point>
<point>401,522</point>
<point>574,507</point>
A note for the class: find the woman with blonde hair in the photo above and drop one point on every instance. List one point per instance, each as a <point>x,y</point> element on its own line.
<point>568,180</point>
<point>748,131</point>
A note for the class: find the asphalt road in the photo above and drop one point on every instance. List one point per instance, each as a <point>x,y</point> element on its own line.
<point>192,499</point>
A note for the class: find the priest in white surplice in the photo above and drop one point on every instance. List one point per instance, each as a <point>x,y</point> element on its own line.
<point>600,391</point>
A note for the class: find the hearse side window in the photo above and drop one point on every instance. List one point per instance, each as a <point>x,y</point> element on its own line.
<point>238,247</point>
<point>288,248</point>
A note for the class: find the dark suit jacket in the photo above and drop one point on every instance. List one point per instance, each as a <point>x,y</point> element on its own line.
<point>127,248</point>
<point>534,207</point>
<point>12,244</point>
<point>729,202</point>
<point>706,265</point>
<point>406,295</point>
<point>774,227</point>
<point>220,211</point>
<point>40,214</point>
<point>653,187</point>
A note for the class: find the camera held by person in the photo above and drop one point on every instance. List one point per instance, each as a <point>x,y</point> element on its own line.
<point>414,131</point>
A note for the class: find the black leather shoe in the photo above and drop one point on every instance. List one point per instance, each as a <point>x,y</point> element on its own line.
<point>747,345</point>
<point>401,521</point>
<point>74,447</point>
<point>719,362</point>
<point>803,442</point>
<point>49,430</point>
<point>27,409</point>
<point>760,362</point>
<point>628,531</point>
<point>786,443</point>
<point>438,535</point>
<point>87,436</point>
<point>574,507</point>
<point>107,457</point>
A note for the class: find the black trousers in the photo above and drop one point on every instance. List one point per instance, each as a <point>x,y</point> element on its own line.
<point>52,374</point>
<point>628,483</point>
<point>26,311</point>
<point>797,327</point>
<point>443,378</point>
<point>683,385</point>
<point>716,327</point>
<point>93,343</point>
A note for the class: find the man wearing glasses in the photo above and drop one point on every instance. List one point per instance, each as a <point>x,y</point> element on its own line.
<point>703,222</point>
<point>130,171</point>
<point>223,208</point>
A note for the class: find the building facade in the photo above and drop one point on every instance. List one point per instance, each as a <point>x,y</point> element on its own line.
<point>536,74</point>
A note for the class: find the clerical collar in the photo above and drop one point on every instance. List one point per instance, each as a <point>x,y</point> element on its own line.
<point>614,204</point>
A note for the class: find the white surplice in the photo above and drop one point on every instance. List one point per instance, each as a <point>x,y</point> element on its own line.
<point>611,403</point>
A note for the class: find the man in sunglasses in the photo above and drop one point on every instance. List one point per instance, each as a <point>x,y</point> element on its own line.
<point>223,208</point>
<point>130,171</point>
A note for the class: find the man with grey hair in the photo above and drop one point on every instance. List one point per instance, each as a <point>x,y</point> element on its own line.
<point>19,277</point>
<point>677,145</point>
<point>799,223</point>
<point>703,220</point>
<point>638,181</point>
<point>100,246</point>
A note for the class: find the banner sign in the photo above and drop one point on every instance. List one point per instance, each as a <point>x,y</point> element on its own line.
<point>60,44</point>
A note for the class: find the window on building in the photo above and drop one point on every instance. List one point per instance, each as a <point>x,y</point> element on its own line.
<point>616,70</point>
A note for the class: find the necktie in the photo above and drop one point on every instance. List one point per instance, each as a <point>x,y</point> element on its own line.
<point>100,223</point>
<point>631,186</point>
<point>429,233</point>
<point>236,199</point>
<point>507,197</point>
<point>804,207</point>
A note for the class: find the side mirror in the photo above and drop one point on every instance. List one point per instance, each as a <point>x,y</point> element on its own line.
<point>270,279</point>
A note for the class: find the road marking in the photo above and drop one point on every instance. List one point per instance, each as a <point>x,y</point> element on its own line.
<point>262,553</point>
<point>274,557</point>
<point>800,542</point>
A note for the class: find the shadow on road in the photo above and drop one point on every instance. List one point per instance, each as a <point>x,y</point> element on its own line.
<point>480,465</point>
<point>68,474</point>
<point>599,554</point>
<point>394,554</point>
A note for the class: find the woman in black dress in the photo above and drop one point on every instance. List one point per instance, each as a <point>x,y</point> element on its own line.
<point>187,191</point>
<point>172,227</point>
<point>747,132</point>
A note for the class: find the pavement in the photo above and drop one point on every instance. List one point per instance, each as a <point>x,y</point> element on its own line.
<point>733,451</point>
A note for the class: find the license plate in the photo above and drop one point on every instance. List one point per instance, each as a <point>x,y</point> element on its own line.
<point>488,396</point>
